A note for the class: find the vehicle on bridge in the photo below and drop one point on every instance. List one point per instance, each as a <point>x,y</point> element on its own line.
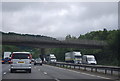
<point>6,58</point>
<point>21,61</point>
<point>73,57</point>
<point>89,59</point>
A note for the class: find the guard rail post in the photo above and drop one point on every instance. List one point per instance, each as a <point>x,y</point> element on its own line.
<point>85,68</point>
<point>74,66</point>
<point>111,71</point>
<point>79,67</point>
<point>105,71</point>
<point>70,66</point>
<point>95,69</point>
<point>91,69</point>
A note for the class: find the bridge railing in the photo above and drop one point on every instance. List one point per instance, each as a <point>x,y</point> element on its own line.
<point>92,68</point>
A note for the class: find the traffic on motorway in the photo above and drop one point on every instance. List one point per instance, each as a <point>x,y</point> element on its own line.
<point>23,60</point>
<point>23,66</point>
<point>70,57</point>
<point>51,72</point>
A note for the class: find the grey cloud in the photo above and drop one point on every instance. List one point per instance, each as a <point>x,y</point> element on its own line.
<point>59,19</point>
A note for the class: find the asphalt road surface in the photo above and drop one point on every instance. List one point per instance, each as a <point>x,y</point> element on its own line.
<point>48,72</point>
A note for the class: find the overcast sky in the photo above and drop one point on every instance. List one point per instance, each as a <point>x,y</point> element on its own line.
<point>58,19</point>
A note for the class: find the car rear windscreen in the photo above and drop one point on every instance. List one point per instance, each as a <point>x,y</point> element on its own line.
<point>20,56</point>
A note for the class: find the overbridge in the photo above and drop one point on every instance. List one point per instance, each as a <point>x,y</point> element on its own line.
<point>43,42</point>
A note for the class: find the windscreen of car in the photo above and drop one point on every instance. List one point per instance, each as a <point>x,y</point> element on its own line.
<point>38,59</point>
<point>20,56</point>
<point>91,59</point>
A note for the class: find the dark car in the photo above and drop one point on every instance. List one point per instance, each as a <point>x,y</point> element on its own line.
<point>6,60</point>
<point>38,61</point>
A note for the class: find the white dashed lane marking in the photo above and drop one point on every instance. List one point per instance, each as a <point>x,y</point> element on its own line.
<point>5,73</point>
<point>45,73</point>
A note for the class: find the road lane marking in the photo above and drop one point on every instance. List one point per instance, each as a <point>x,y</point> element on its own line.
<point>57,79</point>
<point>103,77</point>
<point>5,73</point>
<point>45,73</point>
<point>81,73</point>
<point>89,74</point>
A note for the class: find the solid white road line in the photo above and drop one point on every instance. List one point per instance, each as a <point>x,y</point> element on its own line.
<point>57,79</point>
<point>82,73</point>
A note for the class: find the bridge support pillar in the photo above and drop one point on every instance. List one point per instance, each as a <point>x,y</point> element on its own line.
<point>42,56</point>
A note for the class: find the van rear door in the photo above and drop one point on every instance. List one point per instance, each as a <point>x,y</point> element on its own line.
<point>21,60</point>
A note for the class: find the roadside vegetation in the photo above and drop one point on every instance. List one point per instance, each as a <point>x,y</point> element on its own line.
<point>107,56</point>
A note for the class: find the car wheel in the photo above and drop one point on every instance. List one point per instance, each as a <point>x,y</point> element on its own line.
<point>41,64</point>
<point>29,70</point>
<point>11,70</point>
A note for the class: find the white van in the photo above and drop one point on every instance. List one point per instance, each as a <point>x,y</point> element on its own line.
<point>51,58</point>
<point>21,61</point>
<point>88,59</point>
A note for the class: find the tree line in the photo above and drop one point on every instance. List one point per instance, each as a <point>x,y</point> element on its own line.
<point>31,35</point>
<point>109,55</point>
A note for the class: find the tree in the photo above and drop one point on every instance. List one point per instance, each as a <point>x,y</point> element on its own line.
<point>68,37</point>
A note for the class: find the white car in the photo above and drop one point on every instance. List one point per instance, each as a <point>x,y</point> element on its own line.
<point>21,61</point>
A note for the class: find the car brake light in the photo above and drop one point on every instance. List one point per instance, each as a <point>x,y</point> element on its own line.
<point>2,61</point>
<point>11,62</point>
<point>30,56</point>
<point>12,56</point>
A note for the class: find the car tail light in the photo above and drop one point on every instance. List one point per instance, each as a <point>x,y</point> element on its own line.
<point>11,62</point>
<point>12,56</point>
<point>30,56</point>
<point>2,60</point>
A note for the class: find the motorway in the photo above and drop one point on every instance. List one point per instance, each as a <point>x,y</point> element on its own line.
<point>49,72</point>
